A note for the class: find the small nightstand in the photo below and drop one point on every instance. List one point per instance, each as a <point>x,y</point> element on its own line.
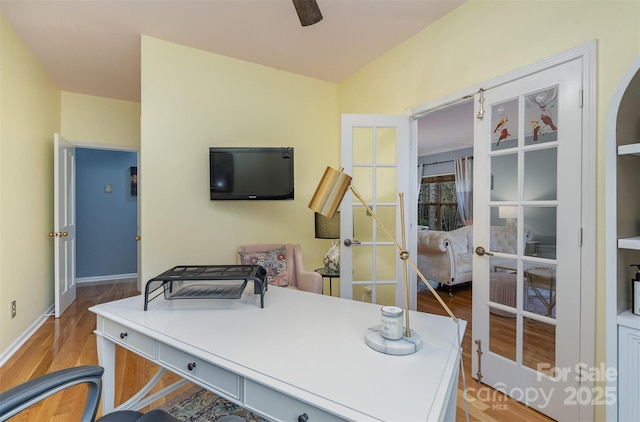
<point>532,248</point>
<point>328,274</point>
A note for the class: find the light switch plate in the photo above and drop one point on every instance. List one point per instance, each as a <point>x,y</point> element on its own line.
<point>108,188</point>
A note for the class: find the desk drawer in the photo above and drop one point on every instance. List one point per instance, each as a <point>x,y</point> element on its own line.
<point>278,406</point>
<point>197,369</point>
<point>129,337</point>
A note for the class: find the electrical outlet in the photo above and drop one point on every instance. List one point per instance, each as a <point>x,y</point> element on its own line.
<point>13,309</point>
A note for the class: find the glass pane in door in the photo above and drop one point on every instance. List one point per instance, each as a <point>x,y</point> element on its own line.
<point>386,184</point>
<point>363,182</point>
<point>387,215</point>
<point>540,174</point>
<point>362,225</point>
<point>362,264</point>
<point>540,231</point>
<point>539,345</point>
<point>502,333</point>
<point>540,293</point>
<point>386,145</point>
<point>504,123</point>
<point>362,145</point>
<point>541,116</point>
<point>504,228</point>
<point>385,294</point>
<point>504,177</point>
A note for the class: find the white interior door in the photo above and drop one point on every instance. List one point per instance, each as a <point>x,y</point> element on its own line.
<point>375,152</point>
<point>527,184</point>
<point>64,224</point>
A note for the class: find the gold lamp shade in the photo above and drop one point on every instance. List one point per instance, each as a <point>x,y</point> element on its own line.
<point>330,191</point>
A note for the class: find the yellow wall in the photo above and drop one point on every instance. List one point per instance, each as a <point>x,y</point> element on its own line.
<point>29,115</point>
<point>86,118</point>
<point>193,100</point>
<point>482,40</point>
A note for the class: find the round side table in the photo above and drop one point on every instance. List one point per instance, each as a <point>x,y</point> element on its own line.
<point>325,273</point>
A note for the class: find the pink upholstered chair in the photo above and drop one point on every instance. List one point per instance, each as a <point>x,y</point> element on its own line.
<point>298,278</point>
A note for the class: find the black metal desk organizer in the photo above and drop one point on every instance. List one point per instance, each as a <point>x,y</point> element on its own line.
<point>207,282</point>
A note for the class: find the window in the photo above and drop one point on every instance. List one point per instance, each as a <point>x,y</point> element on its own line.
<point>438,204</point>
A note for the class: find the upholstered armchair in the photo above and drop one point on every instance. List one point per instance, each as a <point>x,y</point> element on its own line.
<point>284,265</point>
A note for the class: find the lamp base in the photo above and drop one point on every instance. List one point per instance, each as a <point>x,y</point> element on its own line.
<point>403,346</point>
<point>332,258</point>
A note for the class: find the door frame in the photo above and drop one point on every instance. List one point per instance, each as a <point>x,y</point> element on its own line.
<point>125,148</point>
<point>587,52</point>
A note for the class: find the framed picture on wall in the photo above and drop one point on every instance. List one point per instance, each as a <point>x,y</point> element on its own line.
<point>134,180</point>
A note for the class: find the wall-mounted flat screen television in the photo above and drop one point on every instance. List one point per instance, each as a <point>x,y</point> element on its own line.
<point>251,173</point>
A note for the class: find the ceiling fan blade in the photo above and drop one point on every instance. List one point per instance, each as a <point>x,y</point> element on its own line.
<point>308,11</point>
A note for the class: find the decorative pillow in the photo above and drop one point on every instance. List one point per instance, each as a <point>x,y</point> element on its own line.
<point>274,261</point>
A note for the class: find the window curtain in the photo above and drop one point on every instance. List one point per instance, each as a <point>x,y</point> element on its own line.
<point>464,188</point>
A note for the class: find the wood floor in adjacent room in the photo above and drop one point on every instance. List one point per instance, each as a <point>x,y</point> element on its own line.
<point>70,341</point>
<point>484,403</point>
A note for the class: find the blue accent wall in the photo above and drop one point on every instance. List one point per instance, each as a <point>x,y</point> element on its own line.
<point>106,222</point>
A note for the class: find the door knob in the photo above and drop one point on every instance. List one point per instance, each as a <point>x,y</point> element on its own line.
<point>52,234</point>
<point>349,242</point>
<point>137,238</point>
<point>64,234</point>
<point>480,251</point>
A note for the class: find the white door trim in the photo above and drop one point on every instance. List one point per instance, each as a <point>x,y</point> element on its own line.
<point>126,148</point>
<point>611,230</point>
<point>587,52</point>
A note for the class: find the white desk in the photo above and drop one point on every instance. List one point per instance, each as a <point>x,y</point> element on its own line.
<point>301,353</point>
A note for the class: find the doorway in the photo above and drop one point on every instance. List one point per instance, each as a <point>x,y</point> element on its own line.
<point>106,214</point>
<point>531,251</point>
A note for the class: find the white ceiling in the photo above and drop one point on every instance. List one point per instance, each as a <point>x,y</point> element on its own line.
<point>446,129</point>
<point>93,46</point>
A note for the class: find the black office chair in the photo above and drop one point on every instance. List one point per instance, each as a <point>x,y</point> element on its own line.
<point>21,397</point>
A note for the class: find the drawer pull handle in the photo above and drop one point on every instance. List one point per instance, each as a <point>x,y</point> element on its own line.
<point>123,335</point>
<point>303,418</point>
<point>191,365</point>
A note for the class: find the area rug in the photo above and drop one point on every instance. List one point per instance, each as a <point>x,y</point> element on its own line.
<point>200,405</point>
<point>535,305</point>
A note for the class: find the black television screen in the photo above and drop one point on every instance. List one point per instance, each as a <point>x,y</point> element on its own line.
<point>251,173</point>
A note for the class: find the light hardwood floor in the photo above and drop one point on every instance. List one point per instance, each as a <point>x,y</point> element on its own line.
<point>484,403</point>
<point>69,341</point>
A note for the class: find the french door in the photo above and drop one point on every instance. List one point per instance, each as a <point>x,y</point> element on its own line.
<point>64,223</point>
<point>375,151</point>
<point>527,239</point>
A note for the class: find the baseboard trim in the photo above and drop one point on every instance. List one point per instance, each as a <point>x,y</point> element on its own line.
<point>26,335</point>
<point>105,278</point>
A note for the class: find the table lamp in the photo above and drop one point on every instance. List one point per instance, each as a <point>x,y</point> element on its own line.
<point>510,213</point>
<point>325,201</point>
<point>329,228</point>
